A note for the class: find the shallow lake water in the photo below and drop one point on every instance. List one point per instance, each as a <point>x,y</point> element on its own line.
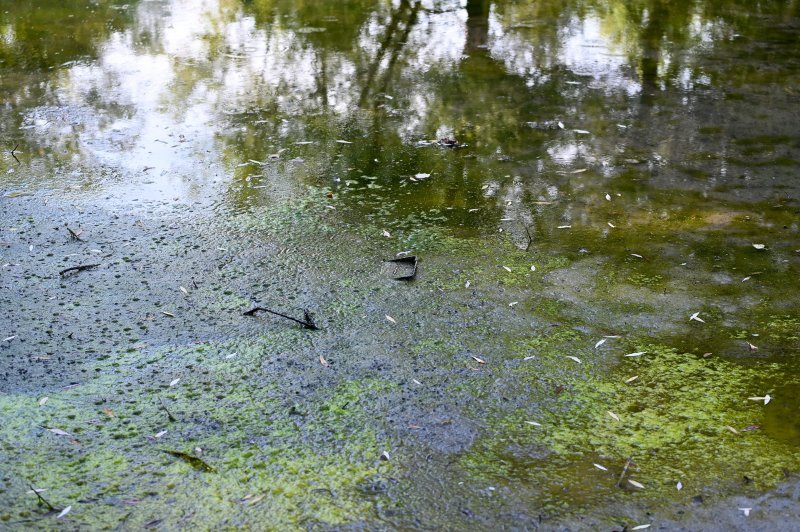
<point>600,330</point>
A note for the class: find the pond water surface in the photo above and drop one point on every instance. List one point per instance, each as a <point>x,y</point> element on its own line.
<point>603,328</point>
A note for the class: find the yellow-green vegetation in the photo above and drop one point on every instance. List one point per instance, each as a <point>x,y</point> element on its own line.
<point>684,418</point>
<point>282,462</point>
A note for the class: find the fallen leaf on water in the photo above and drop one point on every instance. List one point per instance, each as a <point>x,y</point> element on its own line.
<point>159,434</point>
<point>9,338</point>
<point>636,255</point>
<point>255,499</point>
<point>579,171</point>
<point>422,176</point>
<point>535,424</point>
<point>679,486</point>
<point>184,290</point>
<point>64,512</point>
<point>343,141</point>
<point>581,131</point>
<point>513,303</point>
<point>386,233</point>
<point>746,511</point>
<point>613,415</point>
<point>641,527</point>
<point>195,462</point>
<point>576,359</point>
<point>599,343</point>
<point>628,381</point>
<point>391,319</point>
<point>601,468</point>
<point>752,347</point>
<point>324,362</point>
<point>533,268</point>
<point>165,313</point>
<point>415,381</point>
<point>563,227</point>
<point>108,412</point>
<point>759,246</point>
<point>528,358</point>
<point>731,429</point>
<point>612,226</point>
<point>695,317</point>
<point>746,278</point>
<point>608,197</point>
<point>59,432</point>
<point>467,284</point>
<point>506,268</point>
<point>43,401</point>
<point>635,484</point>
<point>637,354</point>
<point>766,399</point>
<point>175,381</point>
<point>478,360</point>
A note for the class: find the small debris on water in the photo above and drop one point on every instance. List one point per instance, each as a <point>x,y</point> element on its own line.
<point>696,317</point>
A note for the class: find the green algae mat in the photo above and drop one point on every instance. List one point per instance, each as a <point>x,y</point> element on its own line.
<point>601,330</point>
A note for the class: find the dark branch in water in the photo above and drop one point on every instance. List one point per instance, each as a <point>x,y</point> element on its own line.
<point>12,152</point>
<point>42,499</point>
<point>530,238</point>
<point>308,323</point>
<point>78,269</point>
<point>624,471</point>
<point>73,235</point>
<point>169,414</point>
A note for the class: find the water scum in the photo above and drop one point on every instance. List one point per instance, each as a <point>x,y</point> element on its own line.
<point>603,326</point>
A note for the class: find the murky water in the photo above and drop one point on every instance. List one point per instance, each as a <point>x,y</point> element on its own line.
<point>583,179</point>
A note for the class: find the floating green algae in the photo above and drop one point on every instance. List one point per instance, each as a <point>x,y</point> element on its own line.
<point>684,418</point>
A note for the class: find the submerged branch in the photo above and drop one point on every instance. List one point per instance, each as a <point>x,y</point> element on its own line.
<point>308,323</point>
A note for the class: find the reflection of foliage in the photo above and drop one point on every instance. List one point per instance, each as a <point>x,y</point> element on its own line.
<point>47,33</point>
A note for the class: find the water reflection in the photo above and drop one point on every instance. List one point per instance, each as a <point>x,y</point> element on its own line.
<point>243,102</point>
